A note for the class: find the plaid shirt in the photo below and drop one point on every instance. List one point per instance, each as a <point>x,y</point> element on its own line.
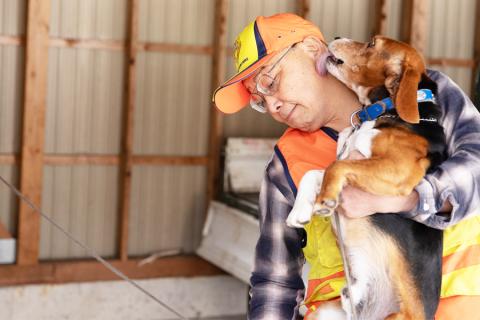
<point>277,285</point>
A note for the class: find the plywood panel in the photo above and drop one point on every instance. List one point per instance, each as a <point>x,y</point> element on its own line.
<point>90,19</point>
<point>12,17</point>
<point>8,200</point>
<point>11,91</point>
<point>167,208</point>
<point>83,199</point>
<point>176,21</point>
<point>85,98</point>
<point>172,105</point>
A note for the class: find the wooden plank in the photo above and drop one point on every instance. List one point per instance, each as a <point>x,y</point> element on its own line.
<point>61,160</point>
<point>11,40</point>
<point>9,159</point>
<point>303,8</point>
<point>219,64</point>
<point>110,160</point>
<point>91,270</point>
<point>476,49</point>
<point>33,130</point>
<point>380,23</point>
<point>451,62</point>
<point>174,47</point>
<point>4,233</point>
<point>414,26</point>
<point>165,160</point>
<point>127,132</point>
<point>115,45</point>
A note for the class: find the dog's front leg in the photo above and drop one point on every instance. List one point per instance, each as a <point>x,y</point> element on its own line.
<point>307,192</point>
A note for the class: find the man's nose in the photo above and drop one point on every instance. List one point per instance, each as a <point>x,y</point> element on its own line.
<point>273,104</point>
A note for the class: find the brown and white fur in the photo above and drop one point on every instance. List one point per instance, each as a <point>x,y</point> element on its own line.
<point>394,262</point>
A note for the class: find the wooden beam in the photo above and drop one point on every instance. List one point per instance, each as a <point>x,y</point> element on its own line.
<point>414,26</point>
<point>380,23</point>
<point>303,8</point>
<point>451,62</point>
<point>11,40</point>
<point>174,47</point>
<point>476,53</point>
<point>91,270</point>
<point>219,64</point>
<point>33,130</point>
<point>9,159</point>
<point>109,160</point>
<point>127,137</point>
<point>115,45</point>
<point>165,160</point>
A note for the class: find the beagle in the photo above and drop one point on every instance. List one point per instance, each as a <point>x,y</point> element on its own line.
<point>394,262</point>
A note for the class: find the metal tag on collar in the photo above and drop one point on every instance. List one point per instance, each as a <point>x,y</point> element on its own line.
<point>425,95</point>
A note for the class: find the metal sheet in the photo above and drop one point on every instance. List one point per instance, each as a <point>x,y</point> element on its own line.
<point>83,200</point>
<point>167,208</point>
<point>90,19</point>
<point>344,18</point>
<point>11,97</point>
<point>12,17</point>
<point>173,103</point>
<point>85,101</point>
<point>176,21</point>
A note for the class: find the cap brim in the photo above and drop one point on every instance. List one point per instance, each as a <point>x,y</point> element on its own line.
<point>232,96</point>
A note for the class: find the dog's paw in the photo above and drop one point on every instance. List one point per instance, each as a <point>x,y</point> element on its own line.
<point>300,215</point>
<point>325,207</point>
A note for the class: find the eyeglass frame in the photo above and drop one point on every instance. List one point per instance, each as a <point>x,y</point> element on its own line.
<point>258,92</point>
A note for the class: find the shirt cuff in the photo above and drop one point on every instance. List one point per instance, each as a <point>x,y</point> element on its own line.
<point>426,205</point>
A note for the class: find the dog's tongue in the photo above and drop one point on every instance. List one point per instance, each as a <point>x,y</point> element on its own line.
<point>321,63</point>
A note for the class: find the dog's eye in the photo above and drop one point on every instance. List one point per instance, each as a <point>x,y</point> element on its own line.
<point>371,44</point>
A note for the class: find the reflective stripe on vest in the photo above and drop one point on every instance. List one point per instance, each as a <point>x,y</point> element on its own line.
<point>301,152</point>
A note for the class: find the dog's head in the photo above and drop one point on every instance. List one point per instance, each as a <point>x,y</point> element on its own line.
<point>382,61</point>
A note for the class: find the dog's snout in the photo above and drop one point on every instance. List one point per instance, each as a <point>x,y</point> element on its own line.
<point>336,38</point>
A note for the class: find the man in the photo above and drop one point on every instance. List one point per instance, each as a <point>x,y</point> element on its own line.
<point>278,60</point>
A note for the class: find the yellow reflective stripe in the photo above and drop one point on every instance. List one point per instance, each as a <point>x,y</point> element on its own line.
<point>461,235</point>
<point>464,281</point>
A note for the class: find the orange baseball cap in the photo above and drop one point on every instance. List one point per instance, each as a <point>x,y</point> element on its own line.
<point>254,47</point>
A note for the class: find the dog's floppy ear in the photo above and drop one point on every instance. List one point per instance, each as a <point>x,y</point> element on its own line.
<point>405,99</point>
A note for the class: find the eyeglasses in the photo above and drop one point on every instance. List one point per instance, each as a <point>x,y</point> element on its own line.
<point>265,85</point>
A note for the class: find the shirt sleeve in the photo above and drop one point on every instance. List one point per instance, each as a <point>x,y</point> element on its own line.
<point>458,178</point>
<point>276,283</point>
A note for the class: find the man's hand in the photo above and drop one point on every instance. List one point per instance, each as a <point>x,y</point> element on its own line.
<point>356,203</point>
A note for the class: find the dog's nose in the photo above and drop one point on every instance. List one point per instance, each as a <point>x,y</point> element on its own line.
<point>336,38</point>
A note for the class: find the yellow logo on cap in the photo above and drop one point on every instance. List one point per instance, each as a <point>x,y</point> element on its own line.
<point>245,48</point>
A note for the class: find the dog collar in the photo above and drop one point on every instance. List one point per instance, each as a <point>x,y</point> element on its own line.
<point>373,111</point>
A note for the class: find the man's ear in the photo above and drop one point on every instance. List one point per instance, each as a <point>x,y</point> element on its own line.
<point>312,46</point>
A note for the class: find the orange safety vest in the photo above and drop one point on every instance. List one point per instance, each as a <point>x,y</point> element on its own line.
<point>300,152</point>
